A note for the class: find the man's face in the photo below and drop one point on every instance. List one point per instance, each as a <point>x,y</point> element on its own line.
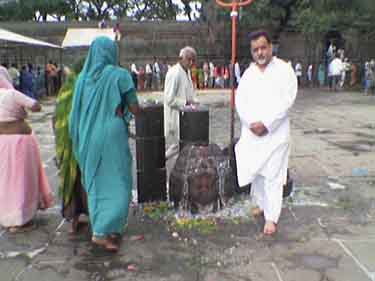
<point>188,61</point>
<point>261,51</point>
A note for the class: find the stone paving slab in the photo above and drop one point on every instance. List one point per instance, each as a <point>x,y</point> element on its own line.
<point>325,234</point>
<point>308,170</point>
<point>317,260</point>
<point>364,249</point>
<point>12,269</point>
<point>254,271</point>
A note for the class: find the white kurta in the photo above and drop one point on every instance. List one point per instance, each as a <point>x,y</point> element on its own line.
<point>266,97</point>
<point>178,90</point>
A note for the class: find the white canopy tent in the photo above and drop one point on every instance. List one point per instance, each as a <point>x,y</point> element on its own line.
<point>6,35</point>
<point>83,37</point>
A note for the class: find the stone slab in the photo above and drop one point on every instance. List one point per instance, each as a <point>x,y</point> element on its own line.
<point>10,269</point>
<point>318,260</point>
<point>364,250</point>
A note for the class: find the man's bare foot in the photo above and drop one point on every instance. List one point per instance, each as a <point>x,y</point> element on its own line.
<point>270,228</point>
<point>256,212</point>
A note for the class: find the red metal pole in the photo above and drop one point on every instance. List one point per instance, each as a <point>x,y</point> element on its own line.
<point>234,15</point>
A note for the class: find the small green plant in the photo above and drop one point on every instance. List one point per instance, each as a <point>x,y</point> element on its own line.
<point>156,211</point>
<point>203,226</point>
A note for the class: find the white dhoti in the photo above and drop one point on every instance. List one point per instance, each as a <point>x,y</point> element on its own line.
<point>267,192</point>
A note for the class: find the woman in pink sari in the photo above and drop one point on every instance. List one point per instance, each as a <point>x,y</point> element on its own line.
<point>23,183</point>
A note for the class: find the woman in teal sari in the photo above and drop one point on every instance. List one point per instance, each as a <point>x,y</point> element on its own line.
<point>103,102</point>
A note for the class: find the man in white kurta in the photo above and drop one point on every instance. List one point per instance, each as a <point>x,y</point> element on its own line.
<point>265,94</point>
<point>178,92</point>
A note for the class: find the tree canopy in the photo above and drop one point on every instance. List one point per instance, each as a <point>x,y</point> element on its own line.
<point>37,10</point>
<point>311,16</point>
<point>307,16</point>
<point>314,19</point>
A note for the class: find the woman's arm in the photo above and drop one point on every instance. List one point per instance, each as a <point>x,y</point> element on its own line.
<point>36,107</point>
<point>134,108</point>
<point>26,101</point>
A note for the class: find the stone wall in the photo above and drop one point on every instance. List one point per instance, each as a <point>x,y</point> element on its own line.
<point>141,41</point>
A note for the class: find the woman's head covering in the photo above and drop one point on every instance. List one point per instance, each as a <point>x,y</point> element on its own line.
<point>103,51</point>
<point>5,80</point>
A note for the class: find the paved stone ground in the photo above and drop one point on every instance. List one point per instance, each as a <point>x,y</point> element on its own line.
<point>326,232</point>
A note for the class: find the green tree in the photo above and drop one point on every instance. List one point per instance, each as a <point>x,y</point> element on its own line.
<point>154,9</point>
<point>101,9</point>
<point>275,14</point>
<point>313,18</point>
<point>20,10</point>
<point>187,9</point>
<point>316,18</point>
<point>44,8</point>
<point>37,10</point>
<point>75,9</point>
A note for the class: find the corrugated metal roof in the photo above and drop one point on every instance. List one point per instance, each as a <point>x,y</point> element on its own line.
<point>6,35</point>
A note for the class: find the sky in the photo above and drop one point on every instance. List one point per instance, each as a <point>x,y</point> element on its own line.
<point>179,3</point>
<point>180,17</point>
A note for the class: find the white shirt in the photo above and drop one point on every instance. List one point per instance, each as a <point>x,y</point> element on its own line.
<point>212,68</point>
<point>148,69</point>
<point>237,72</point>
<point>134,68</point>
<point>309,72</point>
<point>298,69</point>
<point>178,89</point>
<point>336,67</point>
<point>156,67</point>
<point>266,97</point>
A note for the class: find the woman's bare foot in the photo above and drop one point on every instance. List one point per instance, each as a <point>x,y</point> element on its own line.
<point>21,228</point>
<point>74,226</point>
<point>105,243</point>
<point>115,238</point>
<point>256,212</point>
<point>270,228</point>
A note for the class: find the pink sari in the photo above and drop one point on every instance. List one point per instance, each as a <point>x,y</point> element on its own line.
<point>24,186</point>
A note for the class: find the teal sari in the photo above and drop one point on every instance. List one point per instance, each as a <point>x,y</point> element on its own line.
<point>100,137</point>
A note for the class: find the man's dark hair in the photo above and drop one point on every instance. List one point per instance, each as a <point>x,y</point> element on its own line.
<point>255,35</point>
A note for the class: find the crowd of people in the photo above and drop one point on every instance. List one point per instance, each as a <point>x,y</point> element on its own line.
<point>337,72</point>
<point>207,75</point>
<point>93,111</point>
<point>36,81</point>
